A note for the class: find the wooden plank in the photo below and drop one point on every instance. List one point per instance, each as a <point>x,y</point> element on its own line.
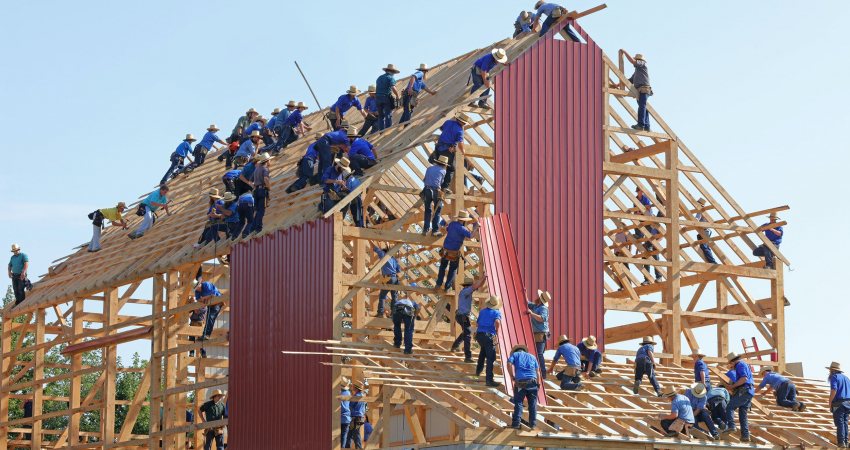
<point>113,339</point>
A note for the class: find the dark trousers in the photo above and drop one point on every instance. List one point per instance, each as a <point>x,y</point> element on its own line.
<point>385,112</point>
<point>326,157</point>
<point>595,362</point>
<point>465,335</point>
<point>200,154</point>
<point>176,164</point>
<point>343,433</point>
<point>704,417</point>
<point>246,216</point>
<point>706,250</point>
<point>477,83</point>
<point>431,197</point>
<point>718,412</point>
<point>741,403</point>
<point>212,314</point>
<point>400,319</point>
<point>767,253</point>
<point>528,393</point>
<point>407,110</point>
<point>383,295</point>
<point>540,347</point>
<point>786,395</point>
<point>260,196</point>
<point>840,414</point>
<point>369,124</point>
<point>229,185</point>
<point>452,265</point>
<point>642,113</point>
<point>356,208</point>
<point>286,135</point>
<point>211,232</point>
<point>326,202</point>
<point>306,167</point>
<point>360,162</point>
<point>18,288</point>
<point>354,434</point>
<point>665,424</point>
<point>233,229</point>
<point>487,355</point>
<point>643,366</point>
<point>210,436</point>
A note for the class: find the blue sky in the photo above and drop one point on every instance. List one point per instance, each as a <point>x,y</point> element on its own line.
<point>95,95</point>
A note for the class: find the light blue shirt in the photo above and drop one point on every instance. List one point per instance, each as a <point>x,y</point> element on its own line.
<point>389,268</point>
<point>247,149</point>
<point>358,407</point>
<point>363,147</point>
<point>487,320</point>
<point>208,140</point>
<point>644,350</point>
<point>682,406</point>
<point>696,403</point>
<point>841,385</point>
<point>570,353</point>
<point>773,379</point>
<point>464,301</point>
<point>742,370</point>
<point>345,408</point>
<point>434,176</point>
<point>525,366</point>
<point>546,8</point>
<point>154,197</point>
<point>543,312</point>
<point>418,81</point>
<point>183,149</point>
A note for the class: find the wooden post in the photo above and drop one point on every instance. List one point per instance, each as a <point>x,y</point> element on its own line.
<point>5,367</point>
<point>722,325</point>
<point>673,343</point>
<point>777,293</point>
<point>338,294</point>
<point>38,375</point>
<point>110,361</point>
<point>156,361</point>
<point>76,365</point>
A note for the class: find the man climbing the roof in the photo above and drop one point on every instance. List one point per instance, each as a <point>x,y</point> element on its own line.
<point>463,316</point>
<point>290,128</point>
<point>19,263</point>
<point>410,95</point>
<point>480,74</point>
<point>177,157</point>
<point>344,411</point>
<point>591,357</point>
<point>645,365</point>
<point>204,293</point>
<point>554,13</point>
<point>538,313</point>
<point>214,220</point>
<point>640,235</point>
<point>205,145</point>
<point>432,194</point>
<point>247,149</point>
<point>386,97</point>
<point>569,377</point>
<point>404,314</point>
<point>211,411</point>
<point>343,104</point>
<point>783,388</point>
<point>456,233</point>
<point>701,373</point>
<point>523,369</point>
<point>361,153</point>
<point>839,402</point>
<point>371,109</point>
<point>640,80</point>
<point>390,272</point>
<point>489,323</point>
<point>330,146</point>
<point>114,215</point>
<point>704,234</point>
<point>257,125</point>
<point>742,396</point>
<point>774,234</point>
<point>716,402</point>
<point>450,141</point>
<point>241,124</point>
<point>523,23</point>
<point>155,200</point>
<point>306,170</point>
<point>262,187</point>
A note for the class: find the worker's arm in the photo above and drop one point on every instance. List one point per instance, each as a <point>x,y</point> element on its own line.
<point>120,223</point>
<point>555,361</point>
<point>702,377</point>
<point>511,371</point>
<point>775,231</point>
<point>741,381</point>
<point>395,92</point>
<point>832,393</point>
<point>246,181</point>
<point>627,56</point>
<point>338,115</point>
<point>486,77</point>
<point>768,390</point>
<point>671,416</point>
<point>498,326</point>
<point>409,87</point>
<point>479,282</point>
<point>430,91</point>
<point>24,272</point>
<point>9,269</point>
<point>651,356</point>
<point>535,316</point>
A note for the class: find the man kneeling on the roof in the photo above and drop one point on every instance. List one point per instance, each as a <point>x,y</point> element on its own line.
<point>524,371</point>
<point>333,180</point>
<point>782,388</point>
<point>681,416</point>
<point>569,377</point>
<point>591,357</point>
<point>698,398</point>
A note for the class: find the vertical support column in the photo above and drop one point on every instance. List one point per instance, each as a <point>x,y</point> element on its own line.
<point>155,366</point>
<point>338,291</point>
<point>38,376</point>
<point>172,297</point>
<point>672,294</point>
<point>76,365</point>
<point>460,190</point>
<point>777,293</point>
<point>110,361</point>
<point>5,368</point>
<point>722,325</point>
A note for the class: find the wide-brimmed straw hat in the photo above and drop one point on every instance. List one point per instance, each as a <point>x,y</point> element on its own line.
<point>538,4</point>
<point>701,201</point>
<point>344,382</point>
<point>276,111</point>
<point>563,338</point>
<point>214,193</point>
<point>262,157</point>
<point>255,133</point>
<point>352,90</point>
<point>668,391</point>
<point>121,205</point>
<point>544,296</point>
<point>443,160</point>
<point>647,340</point>
<point>462,118</point>
<point>699,353</point>
<point>463,216</point>
<point>229,197</point>
<point>467,281</point>
<point>190,138</point>
<point>351,132</point>
<point>301,105</point>
<point>773,215</point>
<point>343,162</point>
<point>732,356</point>
<point>213,128</point>
<point>835,366</point>
<point>698,390</point>
<point>500,55</point>
<point>216,392</point>
<point>590,342</point>
<point>371,89</point>
<point>494,302</point>
<point>357,385</point>
<point>291,103</point>
<point>524,15</point>
<point>391,68</point>
<point>639,57</point>
<point>519,347</point>
<point>423,67</point>
<point>250,111</point>
<point>15,248</point>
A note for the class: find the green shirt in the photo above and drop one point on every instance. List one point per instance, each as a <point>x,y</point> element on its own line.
<point>213,411</point>
<point>16,264</point>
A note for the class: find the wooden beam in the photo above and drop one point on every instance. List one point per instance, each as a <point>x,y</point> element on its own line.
<point>113,339</point>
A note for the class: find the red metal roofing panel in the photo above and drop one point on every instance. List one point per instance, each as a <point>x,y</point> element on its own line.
<point>281,291</point>
<point>548,122</point>
<point>504,278</point>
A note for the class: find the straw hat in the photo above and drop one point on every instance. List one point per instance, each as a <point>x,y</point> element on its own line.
<point>423,68</point>
<point>732,356</point>
<point>544,296</point>
<point>390,68</point>
<point>647,340</point>
<point>462,118</point>
<point>701,201</point>
<point>590,342</point>
<point>251,111</point>
<point>563,338</point>
<point>467,281</point>
<point>190,138</point>
<point>345,163</point>
<point>372,89</point>
<point>345,382</point>
<point>15,248</point>
<point>463,216</point>
<point>494,302</point>
<point>524,15</point>
<point>291,104</point>
<point>443,160</point>
<point>773,215</point>
<point>357,385</point>
<point>351,132</point>
<point>262,157</point>
<point>500,55</point>
<point>301,105</point>
<point>538,4</point>
<point>835,366</point>
<point>255,133</point>
<point>668,391</point>
<point>698,390</point>
<point>216,392</point>
<point>260,119</point>
<point>121,205</point>
<point>229,197</point>
<point>639,57</point>
<point>214,193</point>
<point>352,90</point>
<point>213,128</point>
<point>698,353</point>
<point>519,347</point>
<point>276,111</point>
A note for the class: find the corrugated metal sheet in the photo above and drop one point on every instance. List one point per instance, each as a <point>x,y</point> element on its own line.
<point>504,278</point>
<point>281,292</point>
<point>549,108</point>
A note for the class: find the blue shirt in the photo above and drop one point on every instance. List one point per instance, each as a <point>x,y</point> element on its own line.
<point>16,263</point>
<point>246,199</point>
<point>570,353</point>
<point>248,171</point>
<point>718,392</point>
<point>312,153</point>
<point>338,137</point>
<point>207,289</point>
<point>701,367</point>
<point>525,366</point>
<point>294,119</point>
<point>363,147</point>
<point>154,197</point>
<point>455,234</point>
<point>418,81</point>
<point>384,84</point>
<point>391,267</point>
<point>525,25</point>
<point>585,352</point>
<point>371,104</point>
<point>234,216</point>
<point>773,379</point>
<point>546,8</point>
<point>464,301</point>
<point>543,312</point>
<point>732,376</point>
<point>358,408</point>
<point>271,123</point>
<point>208,140</point>
<point>434,176</point>
<point>644,350</point>
<point>487,320</point>
<point>232,174</point>
<point>841,385</point>
<point>345,408</point>
<point>774,238</point>
<point>331,173</point>
<point>696,403</point>
<point>283,115</point>
<point>183,149</point>
<point>251,128</point>
<point>682,406</point>
<point>345,102</point>
<point>742,370</point>
<point>352,182</point>
<point>451,132</point>
<point>486,63</point>
<point>246,149</point>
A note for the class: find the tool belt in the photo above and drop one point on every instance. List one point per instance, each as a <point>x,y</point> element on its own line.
<point>540,337</point>
<point>140,211</point>
<point>451,255</point>
<point>356,422</point>
<point>413,99</point>
<point>96,218</point>
<point>330,115</point>
<point>195,323</point>
<point>741,391</point>
<point>404,310</point>
<point>522,384</point>
<point>645,89</point>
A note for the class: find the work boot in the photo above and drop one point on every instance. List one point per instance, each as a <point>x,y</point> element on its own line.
<point>637,127</point>
<point>437,233</point>
<point>715,437</point>
<point>636,388</point>
<point>745,438</point>
<point>494,384</point>
<point>455,348</point>
<point>593,375</point>
<point>468,359</point>
<point>645,282</point>
<point>728,430</point>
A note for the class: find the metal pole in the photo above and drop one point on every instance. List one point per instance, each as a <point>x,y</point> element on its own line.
<point>313,93</point>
